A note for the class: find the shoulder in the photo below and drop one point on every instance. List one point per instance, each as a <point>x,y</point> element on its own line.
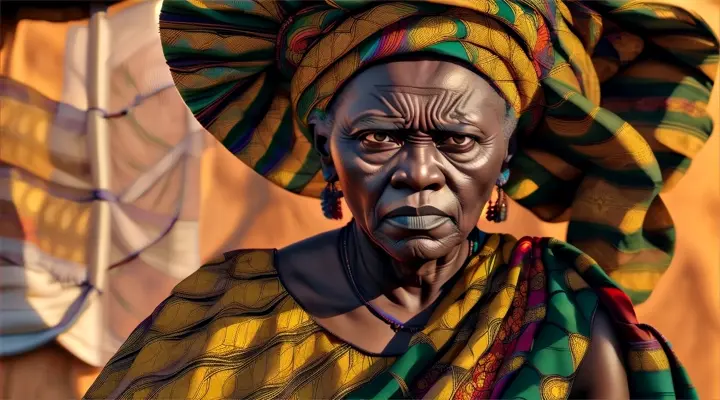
<point>226,308</point>
<point>602,374</point>
<point>579,269</point>
<point>554,254</point>
<point>558,251</point>
<point>578,283</point>
<point>230,269</point>
<point>240,282</point>
<point>559,259</point>
<point>569,295</point>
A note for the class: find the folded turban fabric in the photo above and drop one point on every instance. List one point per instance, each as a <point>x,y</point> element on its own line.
<point>611,95</point>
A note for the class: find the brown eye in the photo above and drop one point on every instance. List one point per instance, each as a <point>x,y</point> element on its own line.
<point>378,137</point>
<point>458,140</point>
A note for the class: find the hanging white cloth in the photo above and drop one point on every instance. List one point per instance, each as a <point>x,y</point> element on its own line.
<point>46,192</point>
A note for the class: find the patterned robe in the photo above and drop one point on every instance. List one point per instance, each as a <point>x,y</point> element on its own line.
<point>517,324</point>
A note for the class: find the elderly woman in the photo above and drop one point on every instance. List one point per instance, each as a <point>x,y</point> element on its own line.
<point>416,113</point>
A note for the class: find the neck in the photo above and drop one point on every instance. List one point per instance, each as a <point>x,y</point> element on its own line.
<point>406,286</point>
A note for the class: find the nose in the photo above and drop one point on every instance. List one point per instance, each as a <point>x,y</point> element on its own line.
<point>418,170</point>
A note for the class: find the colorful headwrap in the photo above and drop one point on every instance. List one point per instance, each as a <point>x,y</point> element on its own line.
<point>611,94</point>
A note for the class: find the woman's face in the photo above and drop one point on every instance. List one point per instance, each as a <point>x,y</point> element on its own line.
<point>417,147</point>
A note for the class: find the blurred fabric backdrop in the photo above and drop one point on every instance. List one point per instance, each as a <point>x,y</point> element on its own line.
<point>179,198</point>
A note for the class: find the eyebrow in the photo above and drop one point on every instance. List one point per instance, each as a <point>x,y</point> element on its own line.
<point>464,119</point>
<point>379,123</point>
<point>374,121</point>
<point>367,121</point>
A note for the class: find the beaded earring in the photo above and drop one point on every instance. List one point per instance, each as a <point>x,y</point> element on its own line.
<point>330,201</point>
<point>498,211</point>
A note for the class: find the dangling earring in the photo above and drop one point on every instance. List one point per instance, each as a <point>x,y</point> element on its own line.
<point>330,201</point>
<point>498,211</point>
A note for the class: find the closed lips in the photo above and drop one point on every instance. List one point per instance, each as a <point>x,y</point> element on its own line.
<point>418,222</point>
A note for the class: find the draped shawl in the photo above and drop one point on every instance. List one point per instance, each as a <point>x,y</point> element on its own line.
<point>517,324</point>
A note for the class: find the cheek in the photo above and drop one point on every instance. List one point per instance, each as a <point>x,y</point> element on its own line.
<point>483,163</point>
<point>473,194</point>
<point>352,169</point>
<point>360,180</point>
<point>478,174</point>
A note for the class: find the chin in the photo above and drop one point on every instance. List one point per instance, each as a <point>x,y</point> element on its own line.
<point>418,246</point>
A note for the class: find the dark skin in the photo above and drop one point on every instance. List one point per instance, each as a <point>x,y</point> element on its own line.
<point>417,156</point>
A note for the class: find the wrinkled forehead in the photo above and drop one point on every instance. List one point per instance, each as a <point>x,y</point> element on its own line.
<point>423,81</point>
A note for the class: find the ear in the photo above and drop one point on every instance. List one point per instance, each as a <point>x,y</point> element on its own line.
<point>509,153</point>
<point>511,122</point>
<point>321,126</point>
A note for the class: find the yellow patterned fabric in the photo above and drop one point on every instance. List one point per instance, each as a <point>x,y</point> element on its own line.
<point>516,324</point>
<point>232,331</point>
<point>611,95</point>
